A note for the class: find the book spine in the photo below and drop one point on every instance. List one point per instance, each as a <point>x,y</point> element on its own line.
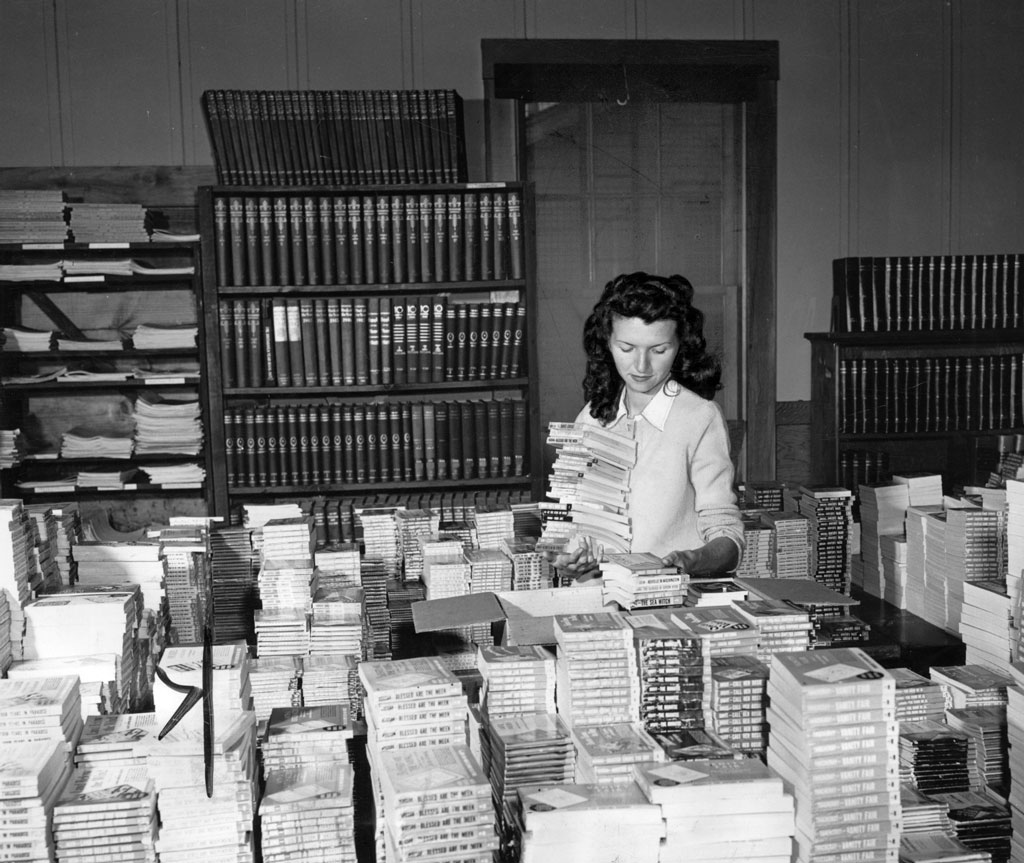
<point>493,439</point>
<point>315,444</point>
<point>373,339</point>
<point>486,229</point>
<point>441,229</point>
<point>483,366</point>
<point>368,231</point>
<point>399,270</point>
<point>342,244</point>
<point>226,323</point>
<point>383,234</point>
<point>305,464</point>
<point>450,340</point>
<point>438,317</point>
<point>240,342</point>
<point>348,434</point>
<point>328,264</point>
<point>499,233</point>
<point>268,347</point>
<point>384,316</point>
<point>273,438</point>
<point>395,436</point>
<point>311,239</point>
<point>516,249</point>
<point>497,332</point>
<point>384,443</point>
<point>253,258</point>
<point>519,442</point>
<point>249,427</point>
<point>506,437</point>
<point>515,368</point>
<point>230,453</point>
<point>333,305</point>
<point>236,236</point>
<point>481,438</point>
<point>411,236</point>
<point>471,236</point>
<point>337,435</point>
<point>419,465</point>
<point>362,341</point>
<point>265,222</point>
<point>310,348</point>
<point>461,341</point>
<point>412,340</point>
<point>398,346</point>
<point>357,273</point>
<point>424,352</point>
<point>456,252</point>
<point>260,437</point>
<point>468,421</point>
<point>473,342</point>
<point>321,324</point>
<point>359,434</point>
<point>292,449</point>
<point>282,241</point>
<point>293,321</point>
<point>441,438</point>
<point>408,457</point>
<point>348,342</point>
<point>297,234</point>
<point>455,439</point>
<point>221,242</point>
<point>429,441</point>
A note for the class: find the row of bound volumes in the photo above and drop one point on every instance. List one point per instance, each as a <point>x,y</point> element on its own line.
<point>931,394</point>
<point>859,467</point>
<point>340,137</point>
<point>355,444</point>
<point>360,239</point>
<point>355,341</point>
<point>926,293</point>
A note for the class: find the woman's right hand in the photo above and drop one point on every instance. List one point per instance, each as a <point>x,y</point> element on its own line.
<point>581,564</point>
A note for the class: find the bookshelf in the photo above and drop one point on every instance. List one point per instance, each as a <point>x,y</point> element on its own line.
<point>369,340</point>
<point>81,292</point>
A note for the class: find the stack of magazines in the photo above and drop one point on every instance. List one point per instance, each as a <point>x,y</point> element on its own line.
<point>32,216</point>
<point>167,425</point>
<point>150,336</point>
<point>23,339</point>
<point>108,223</point>
<point>85,442</point>
<point>32,776</point>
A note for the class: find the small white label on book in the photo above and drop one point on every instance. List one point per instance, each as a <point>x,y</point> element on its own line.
<point>676,772</point>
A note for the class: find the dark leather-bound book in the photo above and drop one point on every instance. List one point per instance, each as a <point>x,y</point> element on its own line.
<point>441,436</point>
<point>273,437</point>
<point>368,232</point>
<point>441,229</point>
<point>292,449</point>
<point>236,240</point>
<point>321,323</point>
<point>348,436</point>
<point>499,231</point>
<point>240,342</point>
<point>226,318</point>
<point>362,341</point>
<point>399,268</point>
<point>354,207</point>
<point>486,235</point>
<point>230,453</point>
<point>340,238</point>
<point>383,443</point>
<point>311,236</point>
<point>419,466</point>
<point>473,343</point>
<point>260,437</point>
<point>411,237</point>
<point>249,427</point>
<point>471,236</point>
<point>429,441</point>
<point>469,440</point>
<point>334,340</point>
<point>438,316</point>
<point>455,439</point>
<point>450,340</point>
<point>519,442</point>
<point>426,208</point>
<point>265,216</point>
<point>507,436</point>
<point>384,325</point>
<point>253,343</point>
<point>493,439</point>
<point>302,420</point>
<point>348,341</point>
<point>309,342</point>
<point>221,241</point>
<point>337,431</point>
<point>359,438</point>
<point>461,341</point>
<point>382,205</point>
<point>408,459</point>
<point>297,236</point>
<point>373,339</point>
<point>399,357</point>
<point>516,256</point>
<point>268,345</point>
<point>282,242</point>
<point>483,339</point>
<point>456,253</point>
<point>328,274</point>
<point>395,436</point>
<point>253,258</point>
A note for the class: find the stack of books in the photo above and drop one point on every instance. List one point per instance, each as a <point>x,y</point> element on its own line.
<point>917,697</point>
<point>15,566</point>
<point>986,727</point>
<point>531,570</point>
<point>122,799</point>
<point>445,570</point>
<point>986,624</point>
<point>1015,740</point>
<point>694,744</point>
<point>305,736</point>
<point>791,542</point>
<point>108,223</point>
<point>528,749</point>
<point>830,712</point>
<point>236,561</point>
<point>45,548</point>
<point>12,446</point>
<point>606,752</point>
<point>981,821</point>
<point>936,846</point>
<point>168,425</point>
<point>340,562</point>
<point>516,679</point>
<point>308,813</point>
<point>373,575</point>
<point>32,776</point>
<point>670,660</point>
<point>489,570</point>
<point>781,627</point>
<point>275,681</point>
<point>883,508</point>
<point>640,579</point>
<point>32,216</point>
<point>923,488</point>
<point>720,809</point>
<point>713,591</point>
<point>590,475</point>
<point>281,632</point>
<point>25,340</point>
<point>411,525</point>
<point>924,817</point>
<point>402,596</point>
<point>436,801</point>
<point>493,525</point>
<point>380,537</point>
<point>971,685</point>
<point>971,546</point>
<point>285,584</point>
<point>597,676</point>
<point>196,826</point>
<point>1014,535</point>
<point>332,680</point>
<point>763,494</point>
<point>36,709</point>
<point>830,512</point>
<point>101,684</point>
<point>738,698</point>
<point>893,562</point>
<point>759,546</point>
<point>117,740</point>
<point>188,579</point>
<point>6,650</point>
<point>183,665</point>
<point>936,758</point>
<point>336,622</point>
<point>85,442</point>
<point>586,822</point>
<point>125,563</point>
<point>918,522</point>
<point>155,336</point>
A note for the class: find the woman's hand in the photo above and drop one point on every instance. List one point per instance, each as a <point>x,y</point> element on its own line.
<point>581,564</point>
<point>718,556</point>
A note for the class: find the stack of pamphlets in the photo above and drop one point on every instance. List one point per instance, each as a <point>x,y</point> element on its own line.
<point>834,739</point>
<point>183,664</point>
<point>702,592</point>
<point>606,752</point>
<point>41,708</point>
<point>45,548</point>
<point>105,480</point>
<point>285,584</point>
<point>922,814</point>
<point>281,632</point>
<point>531,570</point>
<point>923,488</point>
<point>401,596</point>
<point>32,776</point>
<point>489,570</point>
<point>640,579</point>
<point>986,624</point>
<point>338,561</point>
<point>582,823</point>
<point>306,813</point>
<point>516,679</point>
<point>759,546</point>
<point>917,697</point>
<point>738,700</point>
<point>436,805</point>
<point>186,554</point>
<point>445,570</point>
<point>25,340</point>
<point>332,680</point>
<point>184,475</point>
<point>166,424</point>
<point>883,508</point>
<point>6,651</point>
<point>380,537</point>
<point>289,538</point>
<point>830,513</point>
<point>893,552</point>
<point>107,223</point>
<point>936,846</point>
<point>936,758</point>
<point>720,809</point>
<point>306,736</point>
<point>377,632</point>
<point>235,560</point>
<point>781,627</point>
<point>124,563</point>
<point>12,448</point>
<point>597,674</point>
<point>937,572</point>
<point>1014,535</point>
<point>971,685</point>
<point>1015,741</point>
<point>16,566</point>
<point>276,681</point>
<point>336,622</point>
<point>981,821</point>
<point>791,543</point>
<point>192,825</point>
<point>532,748</point>
<point>986,727</point>
<point>106,812</point>
<point>670,666</point>
<point>117,740</point>
<point>763,494</point>
<point>32,216</point>
<point>590,475</point>
<point>411,525</point>
<point>917,525</point>
<point>258,514</point>
<point>86,622</point>
<point>972,554</point>
<point>148,337</point>
<point>69,532</point>
<point>691,744</point>
<point>493,525</point>
<point>83,442</point>
<point>101,686</point>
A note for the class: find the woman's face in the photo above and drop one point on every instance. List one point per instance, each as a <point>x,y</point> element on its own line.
<point>643,353</point>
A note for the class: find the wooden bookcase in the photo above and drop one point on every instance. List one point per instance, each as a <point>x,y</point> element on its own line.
<point>925,400</point>
<point>44,409</point>
<point>310,261</point>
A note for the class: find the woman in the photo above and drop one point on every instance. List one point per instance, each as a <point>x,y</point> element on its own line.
<point>649,376</point>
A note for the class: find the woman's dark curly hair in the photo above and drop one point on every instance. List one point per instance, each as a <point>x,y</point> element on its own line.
<point>650,298</point>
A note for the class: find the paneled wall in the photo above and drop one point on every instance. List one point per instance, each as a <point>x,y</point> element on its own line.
<point>899,123</point>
